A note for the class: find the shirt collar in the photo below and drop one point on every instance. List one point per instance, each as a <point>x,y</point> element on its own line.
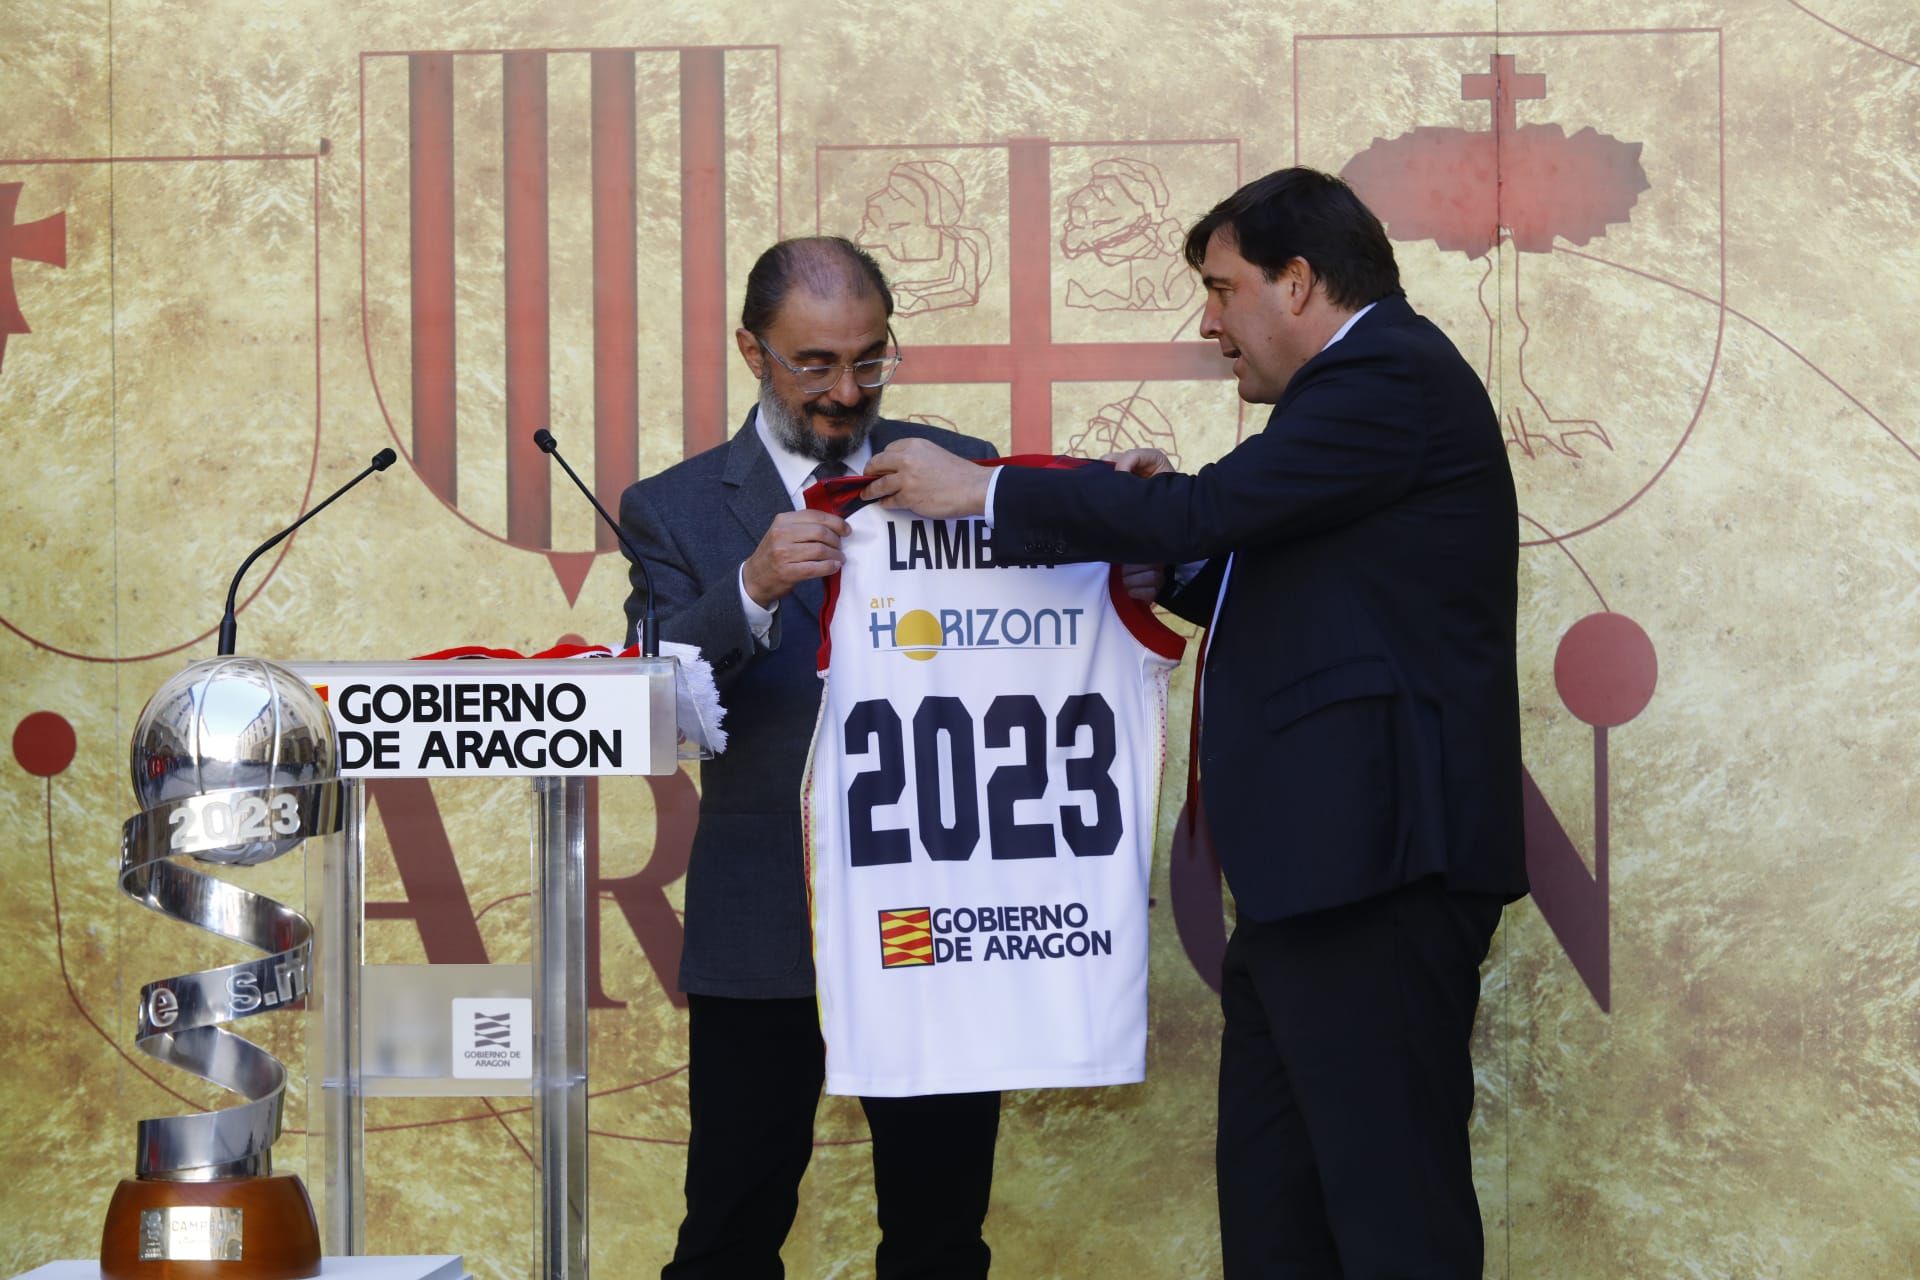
<point>796,470</point>
<point>1352,320</point>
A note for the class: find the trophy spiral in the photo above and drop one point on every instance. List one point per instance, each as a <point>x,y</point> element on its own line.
<point>233,764</point>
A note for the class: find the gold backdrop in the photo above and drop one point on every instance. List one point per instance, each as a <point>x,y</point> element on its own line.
<point>244,245</point>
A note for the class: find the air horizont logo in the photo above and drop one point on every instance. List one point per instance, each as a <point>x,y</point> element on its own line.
<point>921,634</point>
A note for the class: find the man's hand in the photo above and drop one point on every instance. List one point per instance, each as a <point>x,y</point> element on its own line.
<point>800,545</point>
<point>1143,581</point>
<point>924,478</point>
<point>1141,462</point>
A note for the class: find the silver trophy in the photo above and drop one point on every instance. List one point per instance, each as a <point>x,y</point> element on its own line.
<point>233,764</point>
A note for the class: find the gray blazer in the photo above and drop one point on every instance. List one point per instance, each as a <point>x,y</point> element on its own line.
<point>747,931</point>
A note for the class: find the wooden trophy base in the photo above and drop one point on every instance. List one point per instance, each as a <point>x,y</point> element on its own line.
<point>231,1229</point>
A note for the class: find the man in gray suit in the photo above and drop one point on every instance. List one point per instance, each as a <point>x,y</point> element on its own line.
<point>737,563</point>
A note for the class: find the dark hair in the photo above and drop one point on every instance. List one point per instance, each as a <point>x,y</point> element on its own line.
<point>825,265</point>
<point>1303,213</point>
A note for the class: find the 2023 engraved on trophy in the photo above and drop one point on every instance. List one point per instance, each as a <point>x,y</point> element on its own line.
<point>234,764</point>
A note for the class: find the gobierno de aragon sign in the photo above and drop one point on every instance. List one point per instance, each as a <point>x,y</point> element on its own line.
<point>489,718</point>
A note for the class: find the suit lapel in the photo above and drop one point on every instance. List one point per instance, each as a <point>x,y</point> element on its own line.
<point>755,494</point>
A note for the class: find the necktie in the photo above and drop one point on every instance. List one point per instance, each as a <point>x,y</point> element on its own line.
<point>828,470</point>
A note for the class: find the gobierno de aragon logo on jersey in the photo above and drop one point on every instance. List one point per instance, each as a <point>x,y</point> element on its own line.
<point>914,937</point>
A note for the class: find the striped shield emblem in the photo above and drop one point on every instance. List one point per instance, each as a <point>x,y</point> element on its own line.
<point>906,937</point>
<point>546,241</point>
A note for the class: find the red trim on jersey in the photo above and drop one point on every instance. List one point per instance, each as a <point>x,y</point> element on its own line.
<point>1139,618</point>
<point>844,495</point>
<point>825,654</point>
<point>838,495</point>
<point>1143,622</point>
<point>841,496</point>
<point>1042,461</point>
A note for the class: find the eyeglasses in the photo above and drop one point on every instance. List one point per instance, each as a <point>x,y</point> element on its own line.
<point>814,379</point>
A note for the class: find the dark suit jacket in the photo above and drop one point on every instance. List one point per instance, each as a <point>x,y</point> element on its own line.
<point>747,931</point>
<point>1361,724</point>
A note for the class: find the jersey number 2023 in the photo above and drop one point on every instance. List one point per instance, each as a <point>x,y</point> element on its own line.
<point>873,729</point>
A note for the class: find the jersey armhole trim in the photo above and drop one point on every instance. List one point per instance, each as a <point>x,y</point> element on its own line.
<point>1141,621</point>
<point>824,656</point>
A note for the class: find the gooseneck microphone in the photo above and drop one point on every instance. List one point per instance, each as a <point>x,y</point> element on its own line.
<point>649,627</point>
<point>381,461</point>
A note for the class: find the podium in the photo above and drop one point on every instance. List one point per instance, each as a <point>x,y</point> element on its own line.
<point>476,1030</point>
<point>439,1267</point>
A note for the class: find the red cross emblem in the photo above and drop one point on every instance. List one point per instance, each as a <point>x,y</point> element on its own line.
<point>438,413</point>
<point>41,241</point>
<point>1032,359</point>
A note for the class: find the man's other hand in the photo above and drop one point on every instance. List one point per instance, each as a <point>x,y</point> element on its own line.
<point>1140,462</point>
<point>800,545</point>
<point>921,477</point>
<point>1143,581</point>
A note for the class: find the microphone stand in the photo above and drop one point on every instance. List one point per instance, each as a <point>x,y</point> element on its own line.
<point>381,461</point>
<point>649,626</point>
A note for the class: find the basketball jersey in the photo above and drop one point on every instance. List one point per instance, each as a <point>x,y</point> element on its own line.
<point>980,807</point>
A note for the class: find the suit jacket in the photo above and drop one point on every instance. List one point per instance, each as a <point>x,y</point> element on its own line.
<point>747,927</point>
<point>1361,724</point>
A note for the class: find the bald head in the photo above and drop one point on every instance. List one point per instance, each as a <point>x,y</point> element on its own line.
<point>829,268</point>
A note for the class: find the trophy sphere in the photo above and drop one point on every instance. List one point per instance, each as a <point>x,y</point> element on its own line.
<point>227,723</point>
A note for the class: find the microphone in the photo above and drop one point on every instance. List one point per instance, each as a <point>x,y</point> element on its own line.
<point>649,627</point>
<point>381,461</point>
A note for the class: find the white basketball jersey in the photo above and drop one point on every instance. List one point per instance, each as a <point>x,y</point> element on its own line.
<point>980,811</point>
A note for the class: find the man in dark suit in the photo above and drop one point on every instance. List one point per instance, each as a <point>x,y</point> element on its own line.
<point>736,567</point>
<point>1360,737</point>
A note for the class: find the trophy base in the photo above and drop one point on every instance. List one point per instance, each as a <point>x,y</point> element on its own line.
<point>230,1229</point>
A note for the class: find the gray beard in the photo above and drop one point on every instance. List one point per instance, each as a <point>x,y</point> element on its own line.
<point>797,437</point>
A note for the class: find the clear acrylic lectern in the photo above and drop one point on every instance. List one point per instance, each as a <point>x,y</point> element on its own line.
<point>479,1029</point>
